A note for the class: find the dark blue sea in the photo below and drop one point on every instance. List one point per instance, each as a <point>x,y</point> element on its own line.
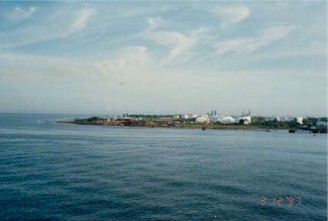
<point>52,171</point>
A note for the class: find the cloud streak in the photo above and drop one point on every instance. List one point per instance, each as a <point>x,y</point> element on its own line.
<point>82,17</point>
<point>179,44</point>
<point>250,44</point>
<point>20,14</point>
<point>128,59</point>
<point>140,56</point>
<point>155,22</point>
<point>231,14</point>
<point>55,26</point>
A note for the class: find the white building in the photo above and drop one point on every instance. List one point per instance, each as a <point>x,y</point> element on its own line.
<point>246,119</point>
<point>185,116</point>
<point>214,118</point>
<point>300,120</point>
<point>228,120</point>
<point>202,119</point>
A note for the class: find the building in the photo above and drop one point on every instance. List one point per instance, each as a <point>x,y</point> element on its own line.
<point>245,120</point>
<point>300,120</point>
<point>202,119</point>
<point>214,118</point>
<point>228,120</point>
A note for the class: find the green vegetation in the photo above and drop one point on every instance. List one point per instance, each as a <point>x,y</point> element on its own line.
<point>91,120</point>
<point>274,124</point>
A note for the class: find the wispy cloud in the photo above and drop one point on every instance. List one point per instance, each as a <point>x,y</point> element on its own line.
<point>126,60</point>
<point>55,26</point>
<point>313,50</point>
<point>137,57</point>
<point>20,14</point>
<point>179,44</point>
<point>250,44</point>
<point>81,20</point>
<point>231,14</point>
<point>155,22</point>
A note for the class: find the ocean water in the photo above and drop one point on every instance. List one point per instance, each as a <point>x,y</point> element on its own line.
<point>54,171</point>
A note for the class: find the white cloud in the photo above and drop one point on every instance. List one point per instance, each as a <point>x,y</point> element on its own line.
<point>231,14</point>
<point>155,22</point>
<point>129,59</point>
<point>179,44</point>
<point>20,14</point>
<point>81,20</point>
<point>56,26</point>
<point>309,50</point>
<point>246,45</point>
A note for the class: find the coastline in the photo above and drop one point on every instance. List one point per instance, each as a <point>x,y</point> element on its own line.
<point>181,126</point>
<point>171,122</point>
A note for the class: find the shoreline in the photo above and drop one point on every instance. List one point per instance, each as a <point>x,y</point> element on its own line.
<point>182,126</point>
<point>166,121</point>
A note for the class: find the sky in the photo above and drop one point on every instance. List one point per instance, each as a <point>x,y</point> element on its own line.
<point>164,57</point>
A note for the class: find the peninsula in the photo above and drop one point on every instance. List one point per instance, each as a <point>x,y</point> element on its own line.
<point>314,125</point>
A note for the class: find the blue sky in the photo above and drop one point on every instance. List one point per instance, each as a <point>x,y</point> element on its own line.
<point>164,57</point>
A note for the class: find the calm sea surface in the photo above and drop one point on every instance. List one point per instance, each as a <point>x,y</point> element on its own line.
<point>56,171</point>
